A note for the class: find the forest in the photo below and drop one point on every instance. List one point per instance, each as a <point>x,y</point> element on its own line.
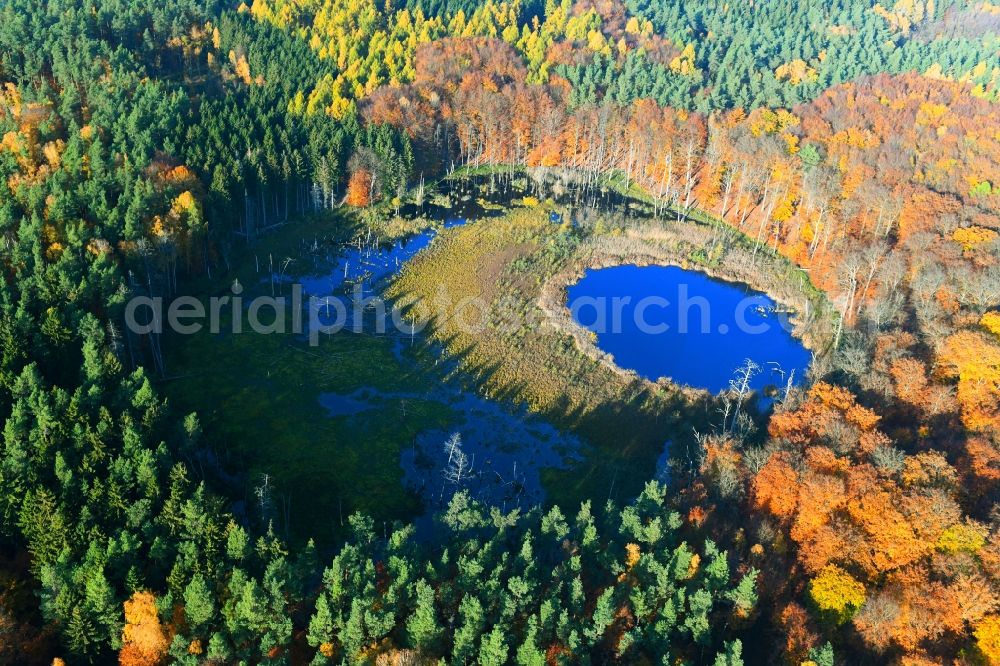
<point>152,149</point>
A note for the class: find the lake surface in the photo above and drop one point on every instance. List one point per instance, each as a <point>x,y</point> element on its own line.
<point>664,321</point>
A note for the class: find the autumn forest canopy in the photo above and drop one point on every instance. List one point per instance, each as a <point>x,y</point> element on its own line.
<point>175,499</point>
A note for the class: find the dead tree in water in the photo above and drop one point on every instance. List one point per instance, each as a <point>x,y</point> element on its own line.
<point>739,390</point>
<point>459,467</point>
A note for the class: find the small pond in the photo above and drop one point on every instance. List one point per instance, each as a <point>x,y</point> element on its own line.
<point>664,321</point>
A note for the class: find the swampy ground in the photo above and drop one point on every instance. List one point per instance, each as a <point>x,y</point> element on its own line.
<point>258,398</point>
<point>305,466</point>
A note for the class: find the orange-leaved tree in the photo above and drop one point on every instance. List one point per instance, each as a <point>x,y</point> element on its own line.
<point>878,533</point>
<point>144,641</point>
<point>359,189</point>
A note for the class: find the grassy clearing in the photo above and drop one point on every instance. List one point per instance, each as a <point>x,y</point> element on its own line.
<point>261,392</point>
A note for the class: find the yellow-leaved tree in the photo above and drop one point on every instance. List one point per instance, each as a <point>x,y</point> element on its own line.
<point>973,358</point>
<point>836,593</point>
<point>988,638</point>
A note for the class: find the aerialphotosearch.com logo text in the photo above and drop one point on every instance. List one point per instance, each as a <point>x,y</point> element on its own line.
<point>317,316</point>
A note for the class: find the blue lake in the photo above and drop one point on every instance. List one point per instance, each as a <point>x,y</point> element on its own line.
<point>664,321</point>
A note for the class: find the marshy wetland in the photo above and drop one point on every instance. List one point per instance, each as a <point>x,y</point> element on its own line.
<point>365,420</point>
